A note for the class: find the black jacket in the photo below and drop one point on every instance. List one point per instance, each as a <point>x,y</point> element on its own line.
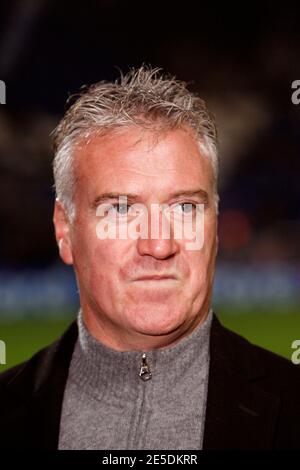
<point>253,396</point>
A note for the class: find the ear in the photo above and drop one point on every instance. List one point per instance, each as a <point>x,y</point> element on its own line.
<point>62,233</point>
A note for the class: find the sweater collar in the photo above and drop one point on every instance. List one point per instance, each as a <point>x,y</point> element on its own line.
<point>94,365</point>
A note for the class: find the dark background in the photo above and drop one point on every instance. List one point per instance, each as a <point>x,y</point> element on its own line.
<point>241,58</point>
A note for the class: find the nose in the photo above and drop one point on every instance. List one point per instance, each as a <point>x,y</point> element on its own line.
<point>160,244</point>
<point>159,249</point>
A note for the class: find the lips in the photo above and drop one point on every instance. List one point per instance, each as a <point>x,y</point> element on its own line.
<point>155,277</point>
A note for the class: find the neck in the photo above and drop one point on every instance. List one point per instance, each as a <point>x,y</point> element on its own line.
<point>123,340</point>
<point>105,370</point>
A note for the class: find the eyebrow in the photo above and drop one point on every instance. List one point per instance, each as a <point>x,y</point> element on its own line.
<point>134,197</point>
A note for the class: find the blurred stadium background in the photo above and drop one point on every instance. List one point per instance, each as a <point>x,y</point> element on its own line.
<point>242,60</point>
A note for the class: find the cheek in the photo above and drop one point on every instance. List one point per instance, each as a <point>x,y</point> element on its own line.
<point>105,261</point>
<point>104,257</point>
<point>200,262</point>
<point>93,257</point>
<point>210,233</point>
<point>197,267</point>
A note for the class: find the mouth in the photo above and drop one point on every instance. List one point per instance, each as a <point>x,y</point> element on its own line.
<point>156,277</point>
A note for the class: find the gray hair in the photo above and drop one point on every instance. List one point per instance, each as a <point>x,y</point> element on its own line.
<point>144,97</point>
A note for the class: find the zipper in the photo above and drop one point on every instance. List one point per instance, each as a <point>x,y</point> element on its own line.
<point>145,372</point>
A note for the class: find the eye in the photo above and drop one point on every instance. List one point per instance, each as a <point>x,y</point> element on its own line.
<point>185,208</point>
<point>121,209</point>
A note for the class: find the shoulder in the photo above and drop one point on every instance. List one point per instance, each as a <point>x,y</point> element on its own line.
<point>246,381</point>
<point>29,366</point>
<point>30,375</point>
<point>31,394</point>
<point>249,359</point>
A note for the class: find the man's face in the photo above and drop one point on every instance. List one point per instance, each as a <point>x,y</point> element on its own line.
<point>156,168</point>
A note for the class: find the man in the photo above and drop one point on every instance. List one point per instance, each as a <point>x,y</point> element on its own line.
<point>147,365</point>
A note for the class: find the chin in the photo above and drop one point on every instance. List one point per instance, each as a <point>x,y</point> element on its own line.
<point>155,322</point>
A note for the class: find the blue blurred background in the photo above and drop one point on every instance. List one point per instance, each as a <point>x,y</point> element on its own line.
<point>242,60</point>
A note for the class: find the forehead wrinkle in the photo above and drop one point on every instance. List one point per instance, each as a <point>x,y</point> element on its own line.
<point>147,173</point>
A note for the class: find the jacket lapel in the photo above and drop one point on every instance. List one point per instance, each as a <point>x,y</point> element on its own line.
<point>239,414</point>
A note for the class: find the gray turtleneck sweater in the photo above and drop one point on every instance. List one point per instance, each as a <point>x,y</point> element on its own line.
<point>107,405</point>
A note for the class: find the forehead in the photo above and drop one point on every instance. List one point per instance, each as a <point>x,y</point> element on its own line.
<point>139,160</point>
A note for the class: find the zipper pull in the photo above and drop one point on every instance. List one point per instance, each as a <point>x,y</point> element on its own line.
<point>145,372</point>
